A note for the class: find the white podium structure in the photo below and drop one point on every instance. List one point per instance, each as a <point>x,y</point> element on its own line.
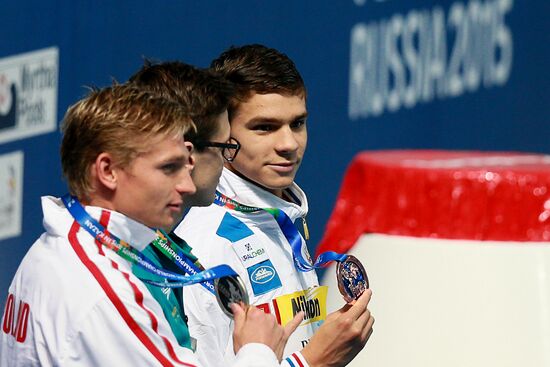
<point>456,247</point>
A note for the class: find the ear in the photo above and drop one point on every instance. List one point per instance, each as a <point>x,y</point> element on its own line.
<point>190,149</point>
<point>105,171</point>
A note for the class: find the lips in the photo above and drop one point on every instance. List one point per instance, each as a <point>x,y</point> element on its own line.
<point>283,167</point>
<point>175,206</point>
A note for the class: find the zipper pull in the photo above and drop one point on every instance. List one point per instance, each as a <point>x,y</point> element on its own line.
<point>306,230</point>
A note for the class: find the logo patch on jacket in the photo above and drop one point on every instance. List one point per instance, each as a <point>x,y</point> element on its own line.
<point>233,229</point>
<point>250,251</point>
<point>263,277</point>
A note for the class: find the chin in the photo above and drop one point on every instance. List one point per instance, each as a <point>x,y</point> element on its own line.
<point>281,184</point>
<point>202,200</point>
<point>206,199</point>
<point>167,227</point>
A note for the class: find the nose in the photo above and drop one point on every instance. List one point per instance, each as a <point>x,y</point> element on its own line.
<point>185,185</point>
<point>287,141</point>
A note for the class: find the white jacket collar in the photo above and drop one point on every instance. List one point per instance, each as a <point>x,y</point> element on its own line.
<point>58,221</point>
<point>245,192</point>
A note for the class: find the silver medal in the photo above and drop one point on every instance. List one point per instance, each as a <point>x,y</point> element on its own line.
<point>230,289</point>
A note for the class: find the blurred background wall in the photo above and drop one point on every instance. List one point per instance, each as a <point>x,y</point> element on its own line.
<point>469,75</point>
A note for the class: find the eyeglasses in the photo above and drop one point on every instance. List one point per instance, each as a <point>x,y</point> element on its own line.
<point>229,149</point>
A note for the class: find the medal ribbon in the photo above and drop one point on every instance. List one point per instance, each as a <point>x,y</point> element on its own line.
<point>127,252</point>
<point>164,243</point>
<point>289,230</point>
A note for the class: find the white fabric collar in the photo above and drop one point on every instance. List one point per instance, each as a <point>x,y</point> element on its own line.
<point>245,192</point>
<point>58,221</point>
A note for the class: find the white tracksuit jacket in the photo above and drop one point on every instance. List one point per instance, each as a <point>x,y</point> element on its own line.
<point>255,247</point>
<point>73,302</point>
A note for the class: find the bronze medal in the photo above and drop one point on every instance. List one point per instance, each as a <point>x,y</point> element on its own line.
<point>230,289</point>
<point>352,278</point>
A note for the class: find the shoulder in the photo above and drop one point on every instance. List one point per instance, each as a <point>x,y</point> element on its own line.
<point>205,229</point>
<point>51,297</point>
<point>200,220</point>
<point>52,272</point>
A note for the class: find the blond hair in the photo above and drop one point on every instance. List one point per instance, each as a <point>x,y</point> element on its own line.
<point>121,120</point>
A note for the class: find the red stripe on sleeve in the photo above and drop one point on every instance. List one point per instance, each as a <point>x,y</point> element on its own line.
<point>117,302</point>
<point>297,359</point>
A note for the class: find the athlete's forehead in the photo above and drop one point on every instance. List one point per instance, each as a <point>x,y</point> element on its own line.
<point>272,107</point>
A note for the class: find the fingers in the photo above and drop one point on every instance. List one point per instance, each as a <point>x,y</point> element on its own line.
<point>266,321</point>
<point>360,305</point>
<point>239,314</point>
<point>358,317</point>
<point>369,329</point>
<point>364,300</point>
<point>289,328</point>
<point>253,325</point>
<point>365,322</point>
<point>293,324</point>
<point>363,318</point>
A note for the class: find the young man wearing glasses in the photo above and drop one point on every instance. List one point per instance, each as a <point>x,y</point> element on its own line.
<point>76,299</point>
<point>268,117</point>
<point>205,96</point>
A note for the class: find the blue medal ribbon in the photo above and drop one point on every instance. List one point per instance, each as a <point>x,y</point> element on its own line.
<point>165,244</point>
<point>127,252</point>
<point>289,230</point>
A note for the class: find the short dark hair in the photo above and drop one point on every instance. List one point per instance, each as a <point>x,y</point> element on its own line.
<point>202,92</point>
<point>260,69</point>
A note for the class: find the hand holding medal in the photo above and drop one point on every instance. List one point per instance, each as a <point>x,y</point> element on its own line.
<point>230,289</point>
<point>253,325</point>
<point>352,278</point>
<point>350,273</point>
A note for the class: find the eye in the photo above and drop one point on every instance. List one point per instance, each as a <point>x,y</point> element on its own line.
<point>263,127</point>
<point>170,168</point>
<point>298,124</point>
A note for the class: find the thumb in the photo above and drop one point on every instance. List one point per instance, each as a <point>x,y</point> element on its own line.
<point>239,315</point>
<point>293,324</point>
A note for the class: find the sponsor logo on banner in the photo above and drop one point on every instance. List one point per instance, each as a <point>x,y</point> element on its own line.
<point>11,188</point>
<point>28,94</point>
<point>312,301</point>
<point>262,275</point>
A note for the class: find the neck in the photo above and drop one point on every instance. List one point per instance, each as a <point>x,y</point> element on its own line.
<point>98,201</point>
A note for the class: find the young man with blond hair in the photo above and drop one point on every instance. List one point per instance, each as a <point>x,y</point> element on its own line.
<point>75,301</point>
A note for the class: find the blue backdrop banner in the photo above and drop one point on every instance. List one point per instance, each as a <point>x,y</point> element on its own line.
<point>466,75</point>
